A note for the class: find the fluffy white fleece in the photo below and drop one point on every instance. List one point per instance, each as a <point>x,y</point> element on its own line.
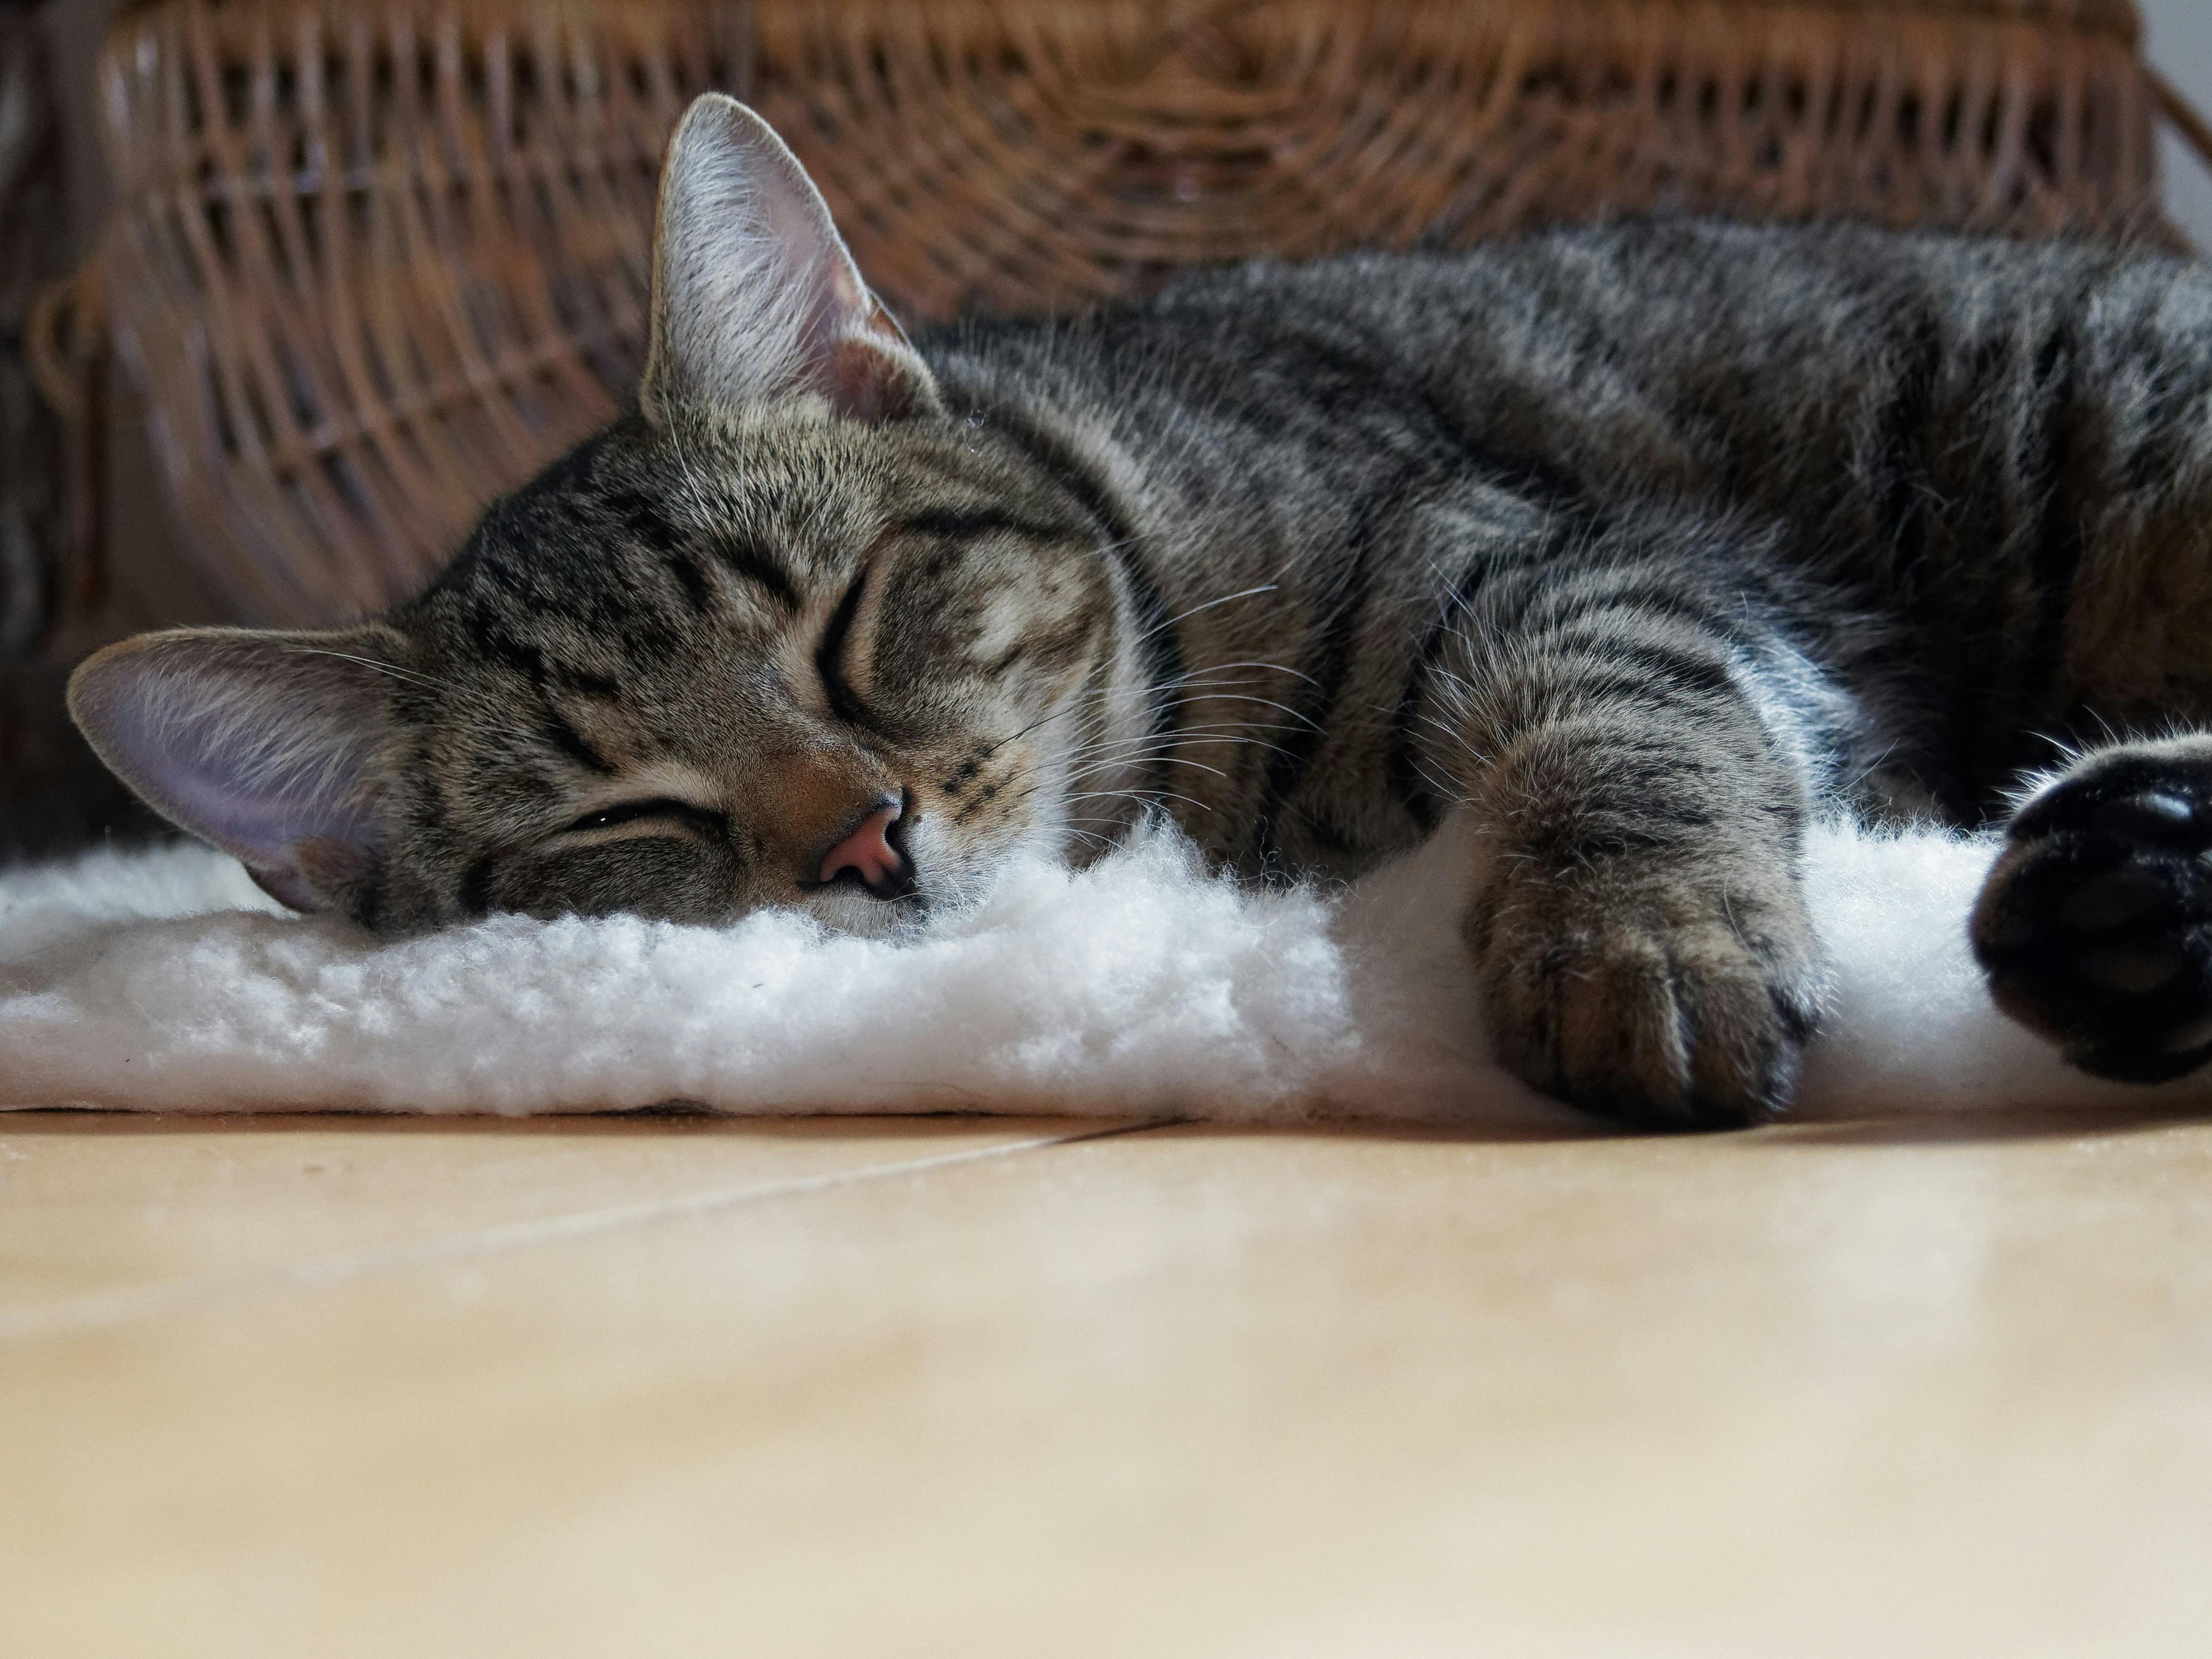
<point>163,980</point>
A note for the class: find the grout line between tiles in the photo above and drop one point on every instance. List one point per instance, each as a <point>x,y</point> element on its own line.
<point>101,1312</point>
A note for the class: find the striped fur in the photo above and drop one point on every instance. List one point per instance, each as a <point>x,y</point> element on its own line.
<point>1625,550</point>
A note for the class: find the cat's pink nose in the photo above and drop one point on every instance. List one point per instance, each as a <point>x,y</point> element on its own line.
<point>868,853</point>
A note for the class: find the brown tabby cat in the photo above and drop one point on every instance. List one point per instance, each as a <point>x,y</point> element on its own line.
<point>1623,551</point>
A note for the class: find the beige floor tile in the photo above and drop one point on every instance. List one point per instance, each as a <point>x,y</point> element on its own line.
<point>1806,1392</point>
<point>104,1213</point>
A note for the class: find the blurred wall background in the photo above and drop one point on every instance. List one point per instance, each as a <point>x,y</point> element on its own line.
<point>2181,45</point>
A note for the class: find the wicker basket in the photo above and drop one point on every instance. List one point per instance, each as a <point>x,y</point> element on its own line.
<point>374,262</point>
<point>33,529</point>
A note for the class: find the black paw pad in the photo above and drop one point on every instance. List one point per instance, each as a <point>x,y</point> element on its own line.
<point>2095,927</point>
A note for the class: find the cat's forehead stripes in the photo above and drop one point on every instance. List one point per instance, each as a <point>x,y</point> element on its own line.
<point>566,739</point>
<point>974,523</point>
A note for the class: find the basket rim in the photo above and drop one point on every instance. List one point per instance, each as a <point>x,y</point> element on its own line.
<point>2122,17</point>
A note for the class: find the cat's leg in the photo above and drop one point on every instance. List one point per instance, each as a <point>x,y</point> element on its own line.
<point>1629,747</point>
<point>2095,924</point>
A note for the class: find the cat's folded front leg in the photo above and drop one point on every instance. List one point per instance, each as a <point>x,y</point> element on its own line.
<point>1665,991</point>
<point>1638,928</point>
<point>1655,970</point>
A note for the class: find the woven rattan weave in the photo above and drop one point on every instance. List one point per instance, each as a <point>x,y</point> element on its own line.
<point>375,262</point>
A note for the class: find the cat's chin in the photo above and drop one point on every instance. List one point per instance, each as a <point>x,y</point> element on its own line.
<point>857,914</point>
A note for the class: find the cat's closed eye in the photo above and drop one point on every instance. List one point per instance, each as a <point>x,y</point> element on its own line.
<point>673,812</point>
<point>830,657</point>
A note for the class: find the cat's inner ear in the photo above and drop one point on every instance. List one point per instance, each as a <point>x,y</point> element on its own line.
<point>754,295</point>
<point>263,743</point>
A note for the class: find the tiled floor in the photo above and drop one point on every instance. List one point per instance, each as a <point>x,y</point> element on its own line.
<point>959,1388</point>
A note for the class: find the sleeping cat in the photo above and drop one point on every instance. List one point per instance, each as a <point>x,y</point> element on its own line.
<point>1624,552</point>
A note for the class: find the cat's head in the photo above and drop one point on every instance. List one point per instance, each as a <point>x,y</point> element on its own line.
<point>792,634</point>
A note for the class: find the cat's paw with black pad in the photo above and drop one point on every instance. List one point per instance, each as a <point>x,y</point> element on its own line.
<point>2095,925</point>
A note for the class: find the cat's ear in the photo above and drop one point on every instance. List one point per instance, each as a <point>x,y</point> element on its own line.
<point>264,743</point>
<point>755,295</point>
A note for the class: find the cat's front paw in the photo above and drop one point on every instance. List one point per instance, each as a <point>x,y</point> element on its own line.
<point>2095,925</point>
<point>1662,1005</point>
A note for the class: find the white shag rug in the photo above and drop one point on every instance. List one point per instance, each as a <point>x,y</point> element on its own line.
<point>164,981</point>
